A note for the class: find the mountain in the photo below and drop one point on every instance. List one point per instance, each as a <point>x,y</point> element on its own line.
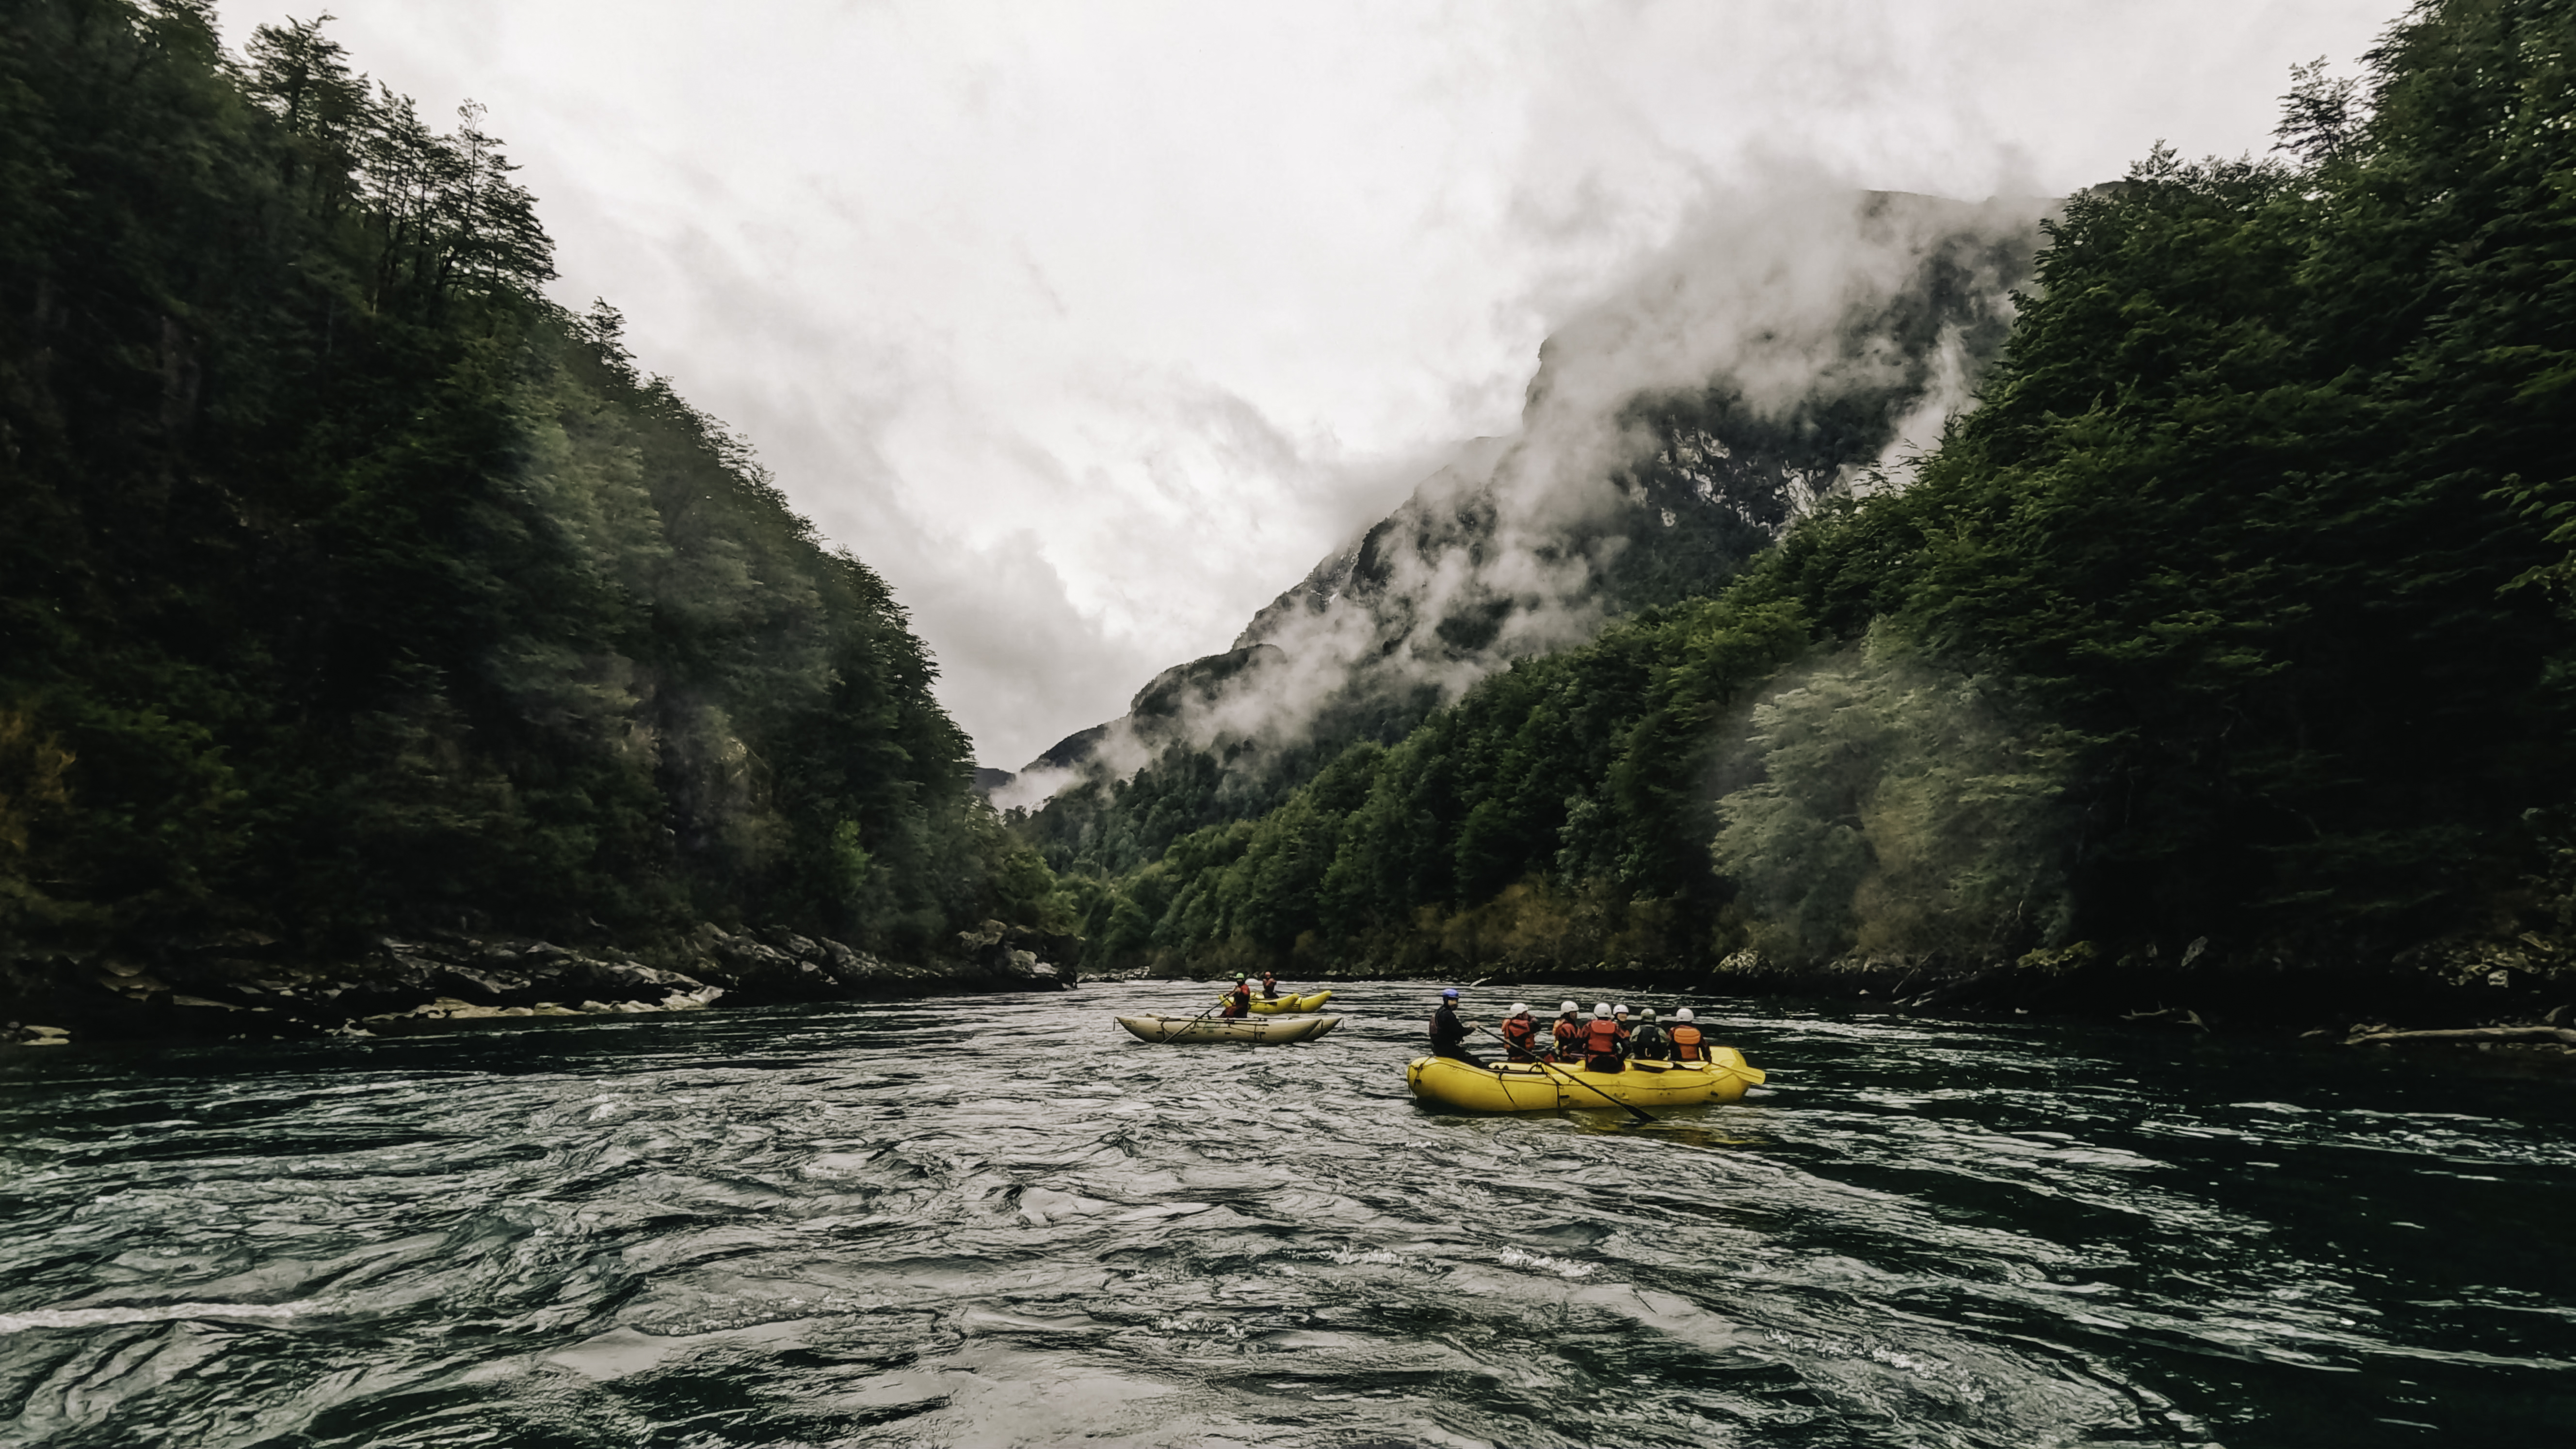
<point>1774,358</point>
<point>2219,666</point>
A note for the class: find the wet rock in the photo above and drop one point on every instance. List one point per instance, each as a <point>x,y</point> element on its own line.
<point>1008,958</point>
<point>224,985</point>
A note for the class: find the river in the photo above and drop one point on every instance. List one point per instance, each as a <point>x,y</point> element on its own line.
<point>1000,1220</point>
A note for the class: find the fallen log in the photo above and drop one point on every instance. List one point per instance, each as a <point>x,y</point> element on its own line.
<point>2182,1016</point>
<point>2383,1037</point>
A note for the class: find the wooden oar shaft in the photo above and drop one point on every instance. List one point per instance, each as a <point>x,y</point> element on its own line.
<point>1166,1038</point>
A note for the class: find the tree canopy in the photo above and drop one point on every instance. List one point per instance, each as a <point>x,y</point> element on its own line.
<point>2239,604</point>
<point>350,583</point>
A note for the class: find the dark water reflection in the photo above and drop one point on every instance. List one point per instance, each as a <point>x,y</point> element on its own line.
<point>804,1227</point>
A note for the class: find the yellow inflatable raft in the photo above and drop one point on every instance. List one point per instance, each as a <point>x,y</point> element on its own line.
<point>1531,1087</point>
<point>1286,1005</point>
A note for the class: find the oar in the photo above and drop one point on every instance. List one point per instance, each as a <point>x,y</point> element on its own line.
<point>1546,1065</point>
<point>1166,1038</point>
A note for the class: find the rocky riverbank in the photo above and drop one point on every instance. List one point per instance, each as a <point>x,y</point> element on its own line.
<point>2525,985</point>
<point>2515,990</point>
<point>246,986</point>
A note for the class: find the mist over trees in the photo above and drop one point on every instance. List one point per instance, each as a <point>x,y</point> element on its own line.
<point>2238,607</point>
<point>1771,357</point>
<point>349,584</point>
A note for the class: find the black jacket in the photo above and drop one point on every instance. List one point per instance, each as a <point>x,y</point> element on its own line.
<point>1446,1029</point>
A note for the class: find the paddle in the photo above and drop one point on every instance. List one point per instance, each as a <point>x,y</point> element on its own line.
<point>1166,1038</point>
<point>1545,1065</point>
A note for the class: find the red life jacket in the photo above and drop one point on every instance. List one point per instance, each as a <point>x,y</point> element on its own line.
<point>1601,1037</point>
<point>1519,1030</point>
<point>1686,1040</point>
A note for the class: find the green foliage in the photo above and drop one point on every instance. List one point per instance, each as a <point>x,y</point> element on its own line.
<point>1900,808</point>
<point>352,584</point>
<point>2237,507</point>
<point>2241,604</point>
<point>1561,768</point>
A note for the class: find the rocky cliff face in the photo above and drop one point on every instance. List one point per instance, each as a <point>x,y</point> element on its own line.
<point>1771,361</point>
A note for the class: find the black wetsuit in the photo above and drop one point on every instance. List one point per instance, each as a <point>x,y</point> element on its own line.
<point>1650,1045</point>
<point>1449,1035</point>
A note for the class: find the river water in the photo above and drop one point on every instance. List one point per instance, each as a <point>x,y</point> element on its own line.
<point>990,1221</point>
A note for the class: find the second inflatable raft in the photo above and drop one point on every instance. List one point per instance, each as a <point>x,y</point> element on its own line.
<point>1284,1005</point>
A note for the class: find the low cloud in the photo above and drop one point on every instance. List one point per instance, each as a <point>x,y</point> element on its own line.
<point>1127,314</point>
<point>1692,387</point>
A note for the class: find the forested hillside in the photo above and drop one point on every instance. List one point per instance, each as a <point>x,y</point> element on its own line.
<point>1769,359</point>
<point>349,585</point>
<point>2234,623</point>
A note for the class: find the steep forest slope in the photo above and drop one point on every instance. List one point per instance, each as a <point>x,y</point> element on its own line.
<point>2231,629</point>
<point>1768,361</point>
<point>348,585</point>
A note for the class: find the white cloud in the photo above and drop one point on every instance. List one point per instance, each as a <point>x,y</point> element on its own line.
<point>1094,326</point>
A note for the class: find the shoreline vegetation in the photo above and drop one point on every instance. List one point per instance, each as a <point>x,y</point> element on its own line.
<point>380,649</point>
<point>243,988</point>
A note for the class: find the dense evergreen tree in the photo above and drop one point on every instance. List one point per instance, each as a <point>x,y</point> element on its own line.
<point>349,583</point>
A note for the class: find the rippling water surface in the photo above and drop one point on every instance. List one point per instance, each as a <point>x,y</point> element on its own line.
<point>1001,1220</point>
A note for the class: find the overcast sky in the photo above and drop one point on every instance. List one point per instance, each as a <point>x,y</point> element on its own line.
<point>1094,326</point>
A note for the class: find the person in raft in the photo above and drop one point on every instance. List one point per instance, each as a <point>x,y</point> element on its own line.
<point>1238,1002</point>
<point>1567,1034</point>
<point>1603,1041</point>
<point>1269,987</point>
<point>1520,1033</point>
<point>1690,1044</point>
<point>1448,1033</point>
<point>1649,1043</point>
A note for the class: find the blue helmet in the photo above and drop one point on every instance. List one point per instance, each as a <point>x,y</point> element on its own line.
<point>1449,995</point>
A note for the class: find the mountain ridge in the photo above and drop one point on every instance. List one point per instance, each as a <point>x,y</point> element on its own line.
<point>1669,433</point>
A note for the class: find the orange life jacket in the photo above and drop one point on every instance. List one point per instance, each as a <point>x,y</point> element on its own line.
<point>1601,1037</point>
<point>1686,1040</point>
<point>1519,1030</point>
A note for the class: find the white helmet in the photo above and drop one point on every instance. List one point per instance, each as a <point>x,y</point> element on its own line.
<point>1620,1010</point>
<point>1682,1015</point>
<point>1520,1008</point>
<point>1602,1011</point>
<point>1569,1006</point>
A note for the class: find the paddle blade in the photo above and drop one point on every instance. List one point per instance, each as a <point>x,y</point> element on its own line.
<point>1754,1075</point>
